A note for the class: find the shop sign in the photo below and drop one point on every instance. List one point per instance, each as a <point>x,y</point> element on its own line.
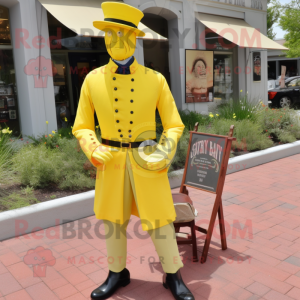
<point>255,4</point>
<point>204,161</point>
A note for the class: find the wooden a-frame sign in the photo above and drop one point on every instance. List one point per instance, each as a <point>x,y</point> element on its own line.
<point>205,169</point>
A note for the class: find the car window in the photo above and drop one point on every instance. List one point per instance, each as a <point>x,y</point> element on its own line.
<point>292,83</point>
<point>298,82</point>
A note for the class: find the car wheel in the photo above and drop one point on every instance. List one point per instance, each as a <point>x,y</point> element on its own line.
<point>285,101</point>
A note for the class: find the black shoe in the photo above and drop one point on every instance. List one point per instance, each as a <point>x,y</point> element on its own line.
<point>111,284</point>
<point>176,285</point>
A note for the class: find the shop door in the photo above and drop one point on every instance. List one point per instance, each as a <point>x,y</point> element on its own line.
<point>62,89</point>
<point>223,76</point>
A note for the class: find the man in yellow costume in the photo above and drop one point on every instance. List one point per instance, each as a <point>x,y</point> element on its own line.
<point>125,96</point>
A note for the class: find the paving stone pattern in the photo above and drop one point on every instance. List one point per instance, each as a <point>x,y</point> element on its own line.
<point>262,212</point>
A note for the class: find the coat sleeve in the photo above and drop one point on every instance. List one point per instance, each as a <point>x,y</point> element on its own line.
<point>171,121</point>
<point>84,126</point>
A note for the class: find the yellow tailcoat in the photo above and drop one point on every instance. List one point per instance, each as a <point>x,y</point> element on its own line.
<point>110,95</point>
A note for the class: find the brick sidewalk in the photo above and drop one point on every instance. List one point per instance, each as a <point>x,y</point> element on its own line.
<point>263,266</point>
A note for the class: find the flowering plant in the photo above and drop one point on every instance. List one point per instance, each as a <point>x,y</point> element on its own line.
<point>50,140</point>
<point>240,109</point>
<point>5,135</point>
<point>282,124</point>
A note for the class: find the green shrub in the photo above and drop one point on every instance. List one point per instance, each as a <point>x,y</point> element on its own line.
<point>294,129</point>
<point>6,152</point>
<point>65,133</point>
<point>248,134</point>
<point>51,140</point>
<point>5,138</point>
<point>75,176</point>
<point>282,125</point>
<point>241,109</point>
<point>189,119</point>
<point>181,152</point>
<point>286,137</point>
<point>39,166</point>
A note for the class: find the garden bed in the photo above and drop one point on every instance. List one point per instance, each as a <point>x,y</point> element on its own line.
<point>17,195</point>
<point>21,195</point>
<point>52,166</point>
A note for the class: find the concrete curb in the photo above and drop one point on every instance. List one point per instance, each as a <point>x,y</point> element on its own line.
<point>46,214</point>
<point>254,159</point>
<point>71,208</point>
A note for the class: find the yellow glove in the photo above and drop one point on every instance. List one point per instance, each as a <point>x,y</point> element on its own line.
<point>101,156</point>
<point>163,154</point>
<point>156,160</point>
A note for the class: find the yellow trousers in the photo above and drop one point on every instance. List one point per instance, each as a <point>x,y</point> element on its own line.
<point>163,238</point>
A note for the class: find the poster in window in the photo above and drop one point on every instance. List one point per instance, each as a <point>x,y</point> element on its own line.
<point>59,74</point>
<point>199,75</point>
<point>10,102</point>
<point>12,114</point>
<point>256,66</point>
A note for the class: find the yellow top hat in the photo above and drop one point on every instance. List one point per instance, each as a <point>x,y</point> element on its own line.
<point>120,15</point>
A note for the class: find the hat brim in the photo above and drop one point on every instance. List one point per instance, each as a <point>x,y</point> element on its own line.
<point>102,25</point>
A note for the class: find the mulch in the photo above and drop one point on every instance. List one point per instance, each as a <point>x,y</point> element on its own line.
<point>43,194</point>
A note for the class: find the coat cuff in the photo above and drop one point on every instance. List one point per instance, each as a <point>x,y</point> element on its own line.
<point>168,142</point>
<point>89,143</point>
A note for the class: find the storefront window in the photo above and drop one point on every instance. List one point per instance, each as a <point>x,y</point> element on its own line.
<point>61,89</point>
<point>8,92</point>
<point>225,61</point>
<point>9,116</point>
<point>291,67</point>
<point>5,38</point>
<point>223,82</point>
<point>73,57</point>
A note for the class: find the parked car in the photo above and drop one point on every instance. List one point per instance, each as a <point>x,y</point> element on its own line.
<point>272,84</point>
<point>287,96</point>
<point>285,77</point>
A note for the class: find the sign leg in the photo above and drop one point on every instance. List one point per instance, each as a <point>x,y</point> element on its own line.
<point>210,230</point>
<point>222,226</point>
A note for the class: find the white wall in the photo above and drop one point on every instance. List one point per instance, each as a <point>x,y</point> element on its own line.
<point>36,105</point>
<point>258,90</point>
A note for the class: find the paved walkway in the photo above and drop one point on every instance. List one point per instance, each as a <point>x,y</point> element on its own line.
<point>263,201</point>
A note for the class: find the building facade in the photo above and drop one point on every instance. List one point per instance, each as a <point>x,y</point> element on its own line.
<point>45,61</point>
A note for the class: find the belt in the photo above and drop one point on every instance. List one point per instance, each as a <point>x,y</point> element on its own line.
<point>121,145</point>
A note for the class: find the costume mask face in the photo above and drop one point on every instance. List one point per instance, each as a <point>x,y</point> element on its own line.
<point>120,42</point>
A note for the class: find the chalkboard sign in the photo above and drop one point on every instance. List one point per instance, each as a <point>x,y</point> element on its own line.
<point>205,159</point>
<point>205,169</point>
